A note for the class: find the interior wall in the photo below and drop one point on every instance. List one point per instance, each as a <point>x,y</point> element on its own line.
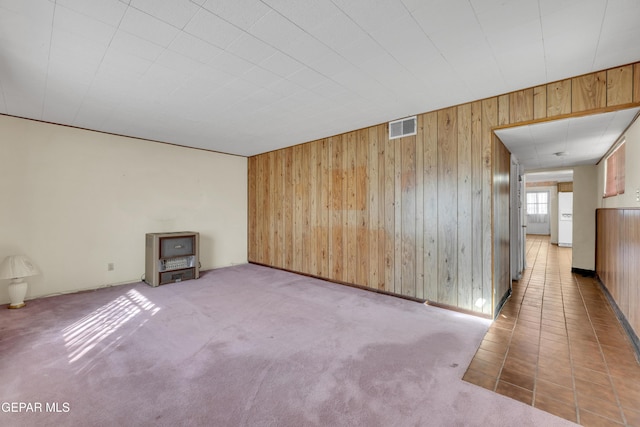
<point>76,200</point>
<point>412,216</point>
<point>585,202</point>
<point>632,173</point>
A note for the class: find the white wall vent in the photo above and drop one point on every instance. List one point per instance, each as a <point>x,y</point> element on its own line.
<point>403,127</point>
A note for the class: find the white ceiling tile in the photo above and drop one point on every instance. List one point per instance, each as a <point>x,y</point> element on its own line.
<point>281,64</point>
<point>261,77</point>
<point>500,15</point>
<point>372,18</point>
<point>107,11</point>
<point>213,29</point>
<point>307,78</point>
<point>147,27</point>
<point>326,66</point>
<point>130,44</point>
<point>194,48</point>
<point>231,64</point>
<point>174,12</point>
<point>308,14</point>
<point>450,16</point>
<point>276,30</point>
<point>250,48</point>
<point>89,28</point>
<point>184,65</point>
<point>241,13</point>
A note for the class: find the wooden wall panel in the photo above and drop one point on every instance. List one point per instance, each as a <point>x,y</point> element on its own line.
<point>447,206</point>
<point>362,210</point>
<point>589,92</point>
<point>429,138</point>
<point>338,182</point>
<point>420,216</point>
<point>620,85</point>
<point>376,207</point>
<point>349,220</point>
<point>617,254</point>
<point>521,106</point>
<point>287,208</point>
<point>251,206</point>
<point>559,98</point>
<point>501,221</point>
<point>489,121</point>
<point>636,82</point>
<point>465,215</point>
<point>539,102</point>
<point>419,206</point>
<point>408,202</point>
<point>478,291</point>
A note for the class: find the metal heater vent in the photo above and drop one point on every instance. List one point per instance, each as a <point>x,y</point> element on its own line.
<point>403,127</point>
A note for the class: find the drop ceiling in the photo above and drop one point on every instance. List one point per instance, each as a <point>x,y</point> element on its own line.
<point>565,143</point>
<point>249,76</point>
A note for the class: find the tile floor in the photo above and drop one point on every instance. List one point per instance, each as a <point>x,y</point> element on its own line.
<point>558,346</point>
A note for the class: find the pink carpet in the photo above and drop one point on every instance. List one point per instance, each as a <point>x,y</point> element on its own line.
<point>244,346</point>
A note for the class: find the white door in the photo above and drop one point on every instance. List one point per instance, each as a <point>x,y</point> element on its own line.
<point>515,235</point>
<point>565,219</point>
<point>538,213</point>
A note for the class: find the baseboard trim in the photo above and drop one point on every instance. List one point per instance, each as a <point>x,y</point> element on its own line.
<point>583,272</point>
<point>378,291</point>
<point>633,337</point>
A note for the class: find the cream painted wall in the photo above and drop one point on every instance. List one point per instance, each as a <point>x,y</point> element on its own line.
<point>585,202</point>
<point>75,200</point>
<point>632,173</point>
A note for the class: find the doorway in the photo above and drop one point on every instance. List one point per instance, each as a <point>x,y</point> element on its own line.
<point>538,209</point>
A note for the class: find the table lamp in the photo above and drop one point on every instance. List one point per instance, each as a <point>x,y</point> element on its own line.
<point>16,268</point>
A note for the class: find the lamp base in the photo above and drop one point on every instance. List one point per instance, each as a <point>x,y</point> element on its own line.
<point>22,304</point>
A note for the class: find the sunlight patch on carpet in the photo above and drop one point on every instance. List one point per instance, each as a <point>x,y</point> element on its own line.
<point>90,332</point>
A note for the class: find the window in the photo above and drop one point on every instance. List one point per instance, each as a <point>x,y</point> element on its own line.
<point>538,203</point>
<point>614,172</point>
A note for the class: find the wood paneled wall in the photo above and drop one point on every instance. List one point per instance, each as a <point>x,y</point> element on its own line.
<point>617,255</point>
<point>502,220</point>
<point>413,216</point>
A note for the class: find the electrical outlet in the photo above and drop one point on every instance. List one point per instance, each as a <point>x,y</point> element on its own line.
<point>110,266</point>
<point>638,195</point>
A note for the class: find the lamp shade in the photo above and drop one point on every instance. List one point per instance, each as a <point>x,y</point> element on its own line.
<point>17,266</point>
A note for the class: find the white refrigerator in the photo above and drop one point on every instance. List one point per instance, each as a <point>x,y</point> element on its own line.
<point>565,219</point>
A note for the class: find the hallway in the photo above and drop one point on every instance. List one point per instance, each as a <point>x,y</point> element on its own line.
<point>558,346</point>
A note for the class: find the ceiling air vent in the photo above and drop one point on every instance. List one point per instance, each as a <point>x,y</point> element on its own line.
<point>402,127</point>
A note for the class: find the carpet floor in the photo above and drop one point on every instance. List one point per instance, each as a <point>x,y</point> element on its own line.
<point>244,346</point>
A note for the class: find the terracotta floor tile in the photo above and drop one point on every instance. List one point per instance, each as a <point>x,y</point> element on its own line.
<point>480,379</point>
<point>555,407</point>
<point>591,376</point>
<point>493,347</point>
<point>600,407</point>
<point>488,368</point>
<point>490,356</point>
<point>628,391</point>
<point>559,346</point>
<point>554,391</point>
<point>632,416</point>
<point>563,379</point>
<point>589,419</point>
<point>597,391</point>
<point>514,392</point>
<point>522,379</point>
<point>552,337</point>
